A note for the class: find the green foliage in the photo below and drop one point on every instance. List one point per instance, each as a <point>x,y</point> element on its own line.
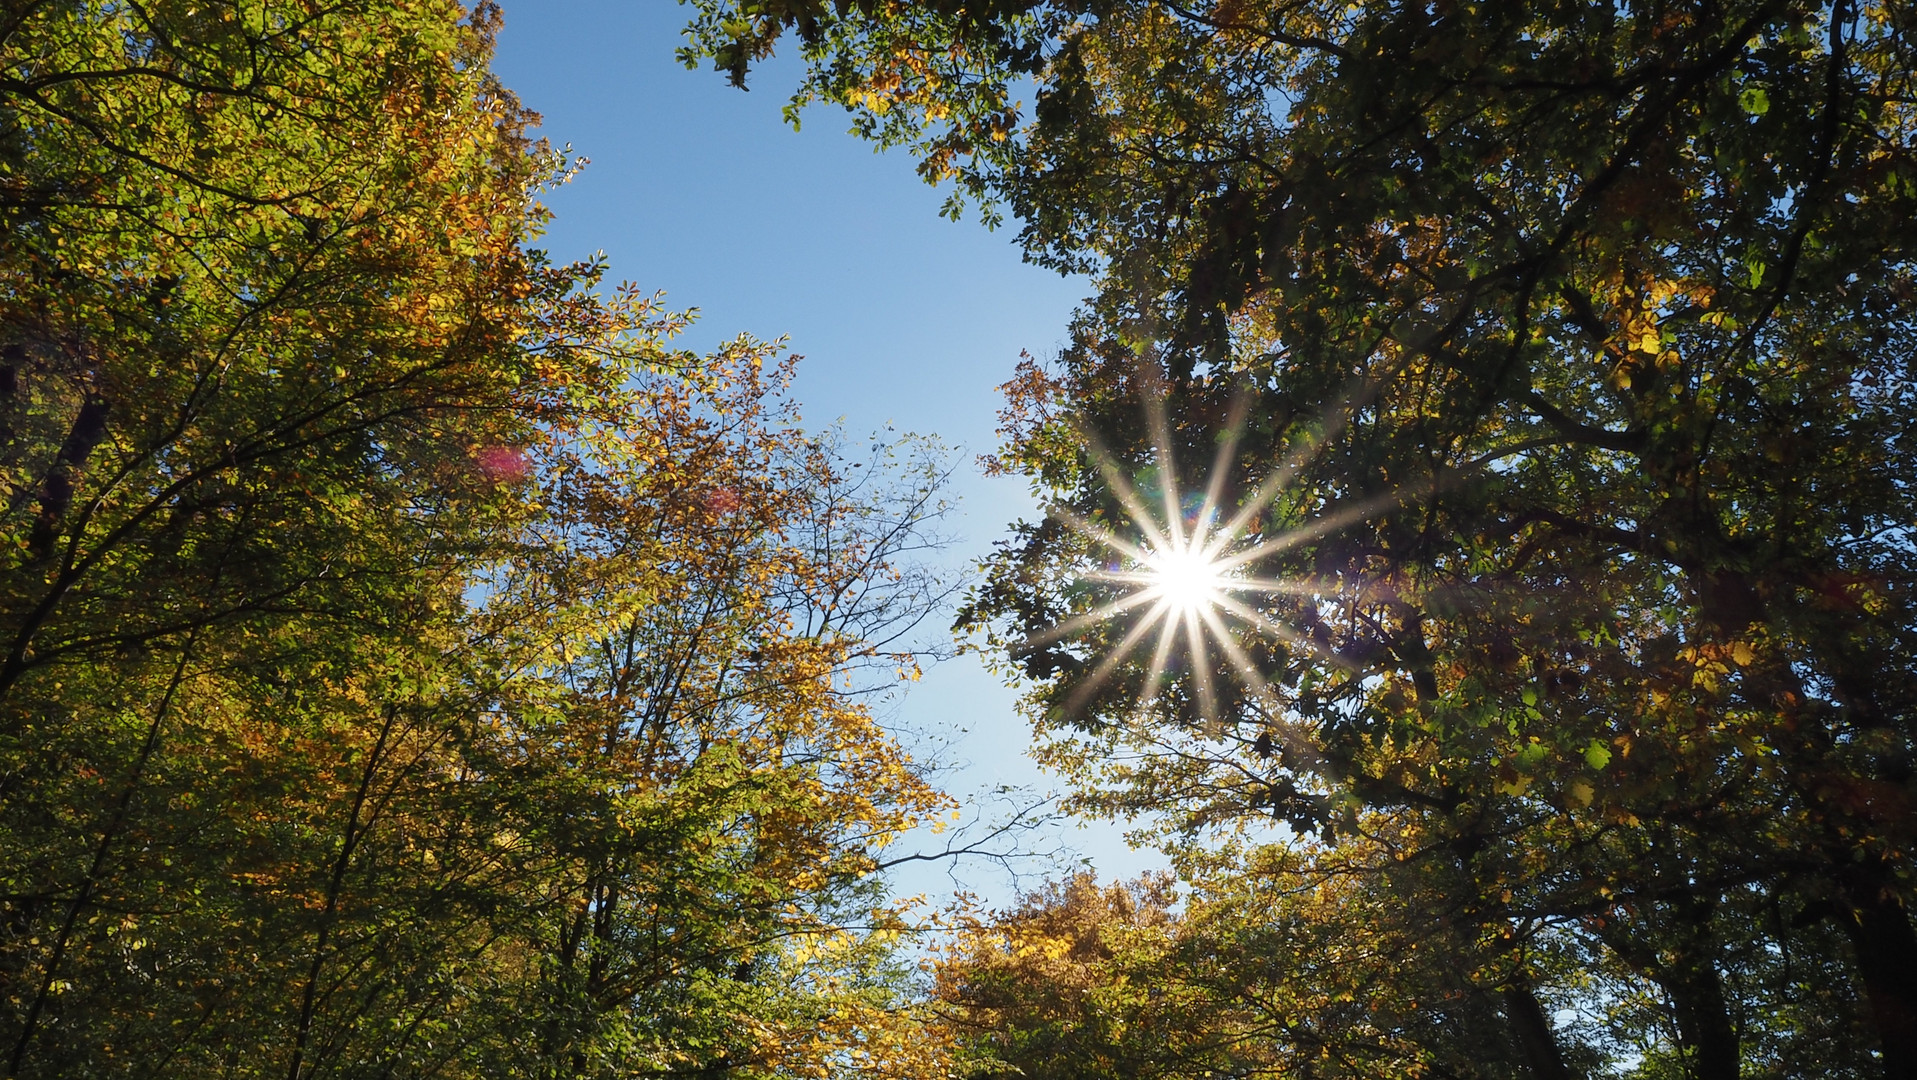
<point>408,658</point>
<point>1587,328</point>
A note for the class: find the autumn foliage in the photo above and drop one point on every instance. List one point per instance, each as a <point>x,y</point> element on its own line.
<point>1579,335</point>
<point>409,662</point>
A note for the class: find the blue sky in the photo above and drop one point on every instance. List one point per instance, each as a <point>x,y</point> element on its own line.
<point>903,317</point>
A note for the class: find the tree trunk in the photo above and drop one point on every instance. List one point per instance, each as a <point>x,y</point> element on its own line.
<point>56,492</point>
<point>1704,1030</point>
<point>1880,929</point>
<point>1703,1022</point>
<point>1531,1030</point>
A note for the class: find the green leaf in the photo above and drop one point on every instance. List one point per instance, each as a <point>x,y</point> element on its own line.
<point>1597,755</point>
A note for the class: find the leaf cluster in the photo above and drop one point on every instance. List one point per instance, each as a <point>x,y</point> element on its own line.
<point>1585,329</point>
<point>412,663</point>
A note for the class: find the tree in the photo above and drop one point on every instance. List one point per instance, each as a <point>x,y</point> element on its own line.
<point>1282,961</point>
<point>407,656</point>
<point>681,640</point>
<point>264,295</point>
<point>1585,330</point>
<point>1061,986</point>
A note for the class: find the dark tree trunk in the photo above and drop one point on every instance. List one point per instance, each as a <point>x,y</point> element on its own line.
<point>56,492</point>
<point>12,359</point>
<point>1880,929</point>
<point>1531,1030</point>
<point>1703,1021</point>
<point>1704,1029</point>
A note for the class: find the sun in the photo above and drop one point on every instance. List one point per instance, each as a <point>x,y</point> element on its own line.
<point>1186,578</point>
<point>1193,574</point>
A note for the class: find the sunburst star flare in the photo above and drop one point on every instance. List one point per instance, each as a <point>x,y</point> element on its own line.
<point>1186,578</point>
<point>1187,575</point>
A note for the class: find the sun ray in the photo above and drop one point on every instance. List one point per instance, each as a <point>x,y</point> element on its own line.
<point>1121,486</point>
<point>1272,486</point>
<point>1085,527</point>
<point>1227,450</point>
<point>1319,527</point>
<point>1161,656</point>
<point>1123,577</point>
<point>1112,659</point>
<point>1096,615</point>
<point>1284,633</point>
<point>1235,653</point>
<point>1260,688</point>
<point>1270,586</point>
<point>1201,671</point>
<point>1160,425</point>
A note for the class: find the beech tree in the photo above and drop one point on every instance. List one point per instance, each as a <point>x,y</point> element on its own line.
<point>247,365</point>
<point>408,662</point>
<point>1578,336</point>
<point>1347,963</point>
<point>713,791</point>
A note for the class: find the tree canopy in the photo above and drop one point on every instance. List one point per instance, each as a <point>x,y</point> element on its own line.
<point>1550,365</point>
<point>414,663</point>
<point>1477,545</point>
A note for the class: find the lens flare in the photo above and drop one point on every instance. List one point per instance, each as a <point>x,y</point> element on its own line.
<point>1186,578</point>
<point>1192,575</point>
